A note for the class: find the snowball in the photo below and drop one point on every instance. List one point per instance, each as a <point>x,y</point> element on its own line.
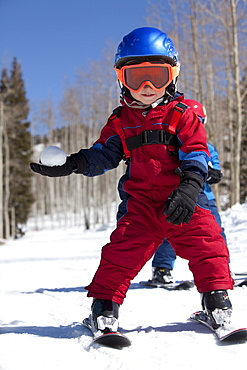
<point>53,156</point>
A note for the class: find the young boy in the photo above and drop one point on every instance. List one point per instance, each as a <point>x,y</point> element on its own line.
<point>161,189</point>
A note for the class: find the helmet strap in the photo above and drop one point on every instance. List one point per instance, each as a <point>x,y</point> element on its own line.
<point>172,88</point>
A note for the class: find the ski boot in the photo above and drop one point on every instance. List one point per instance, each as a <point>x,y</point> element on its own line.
<point>217,305</point>
<point>104,317</point>
<point>161,275</point>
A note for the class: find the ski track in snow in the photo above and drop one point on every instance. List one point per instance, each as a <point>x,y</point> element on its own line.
<point>42,304</point>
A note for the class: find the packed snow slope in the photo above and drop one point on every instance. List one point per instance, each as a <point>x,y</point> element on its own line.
<point>43,302</point>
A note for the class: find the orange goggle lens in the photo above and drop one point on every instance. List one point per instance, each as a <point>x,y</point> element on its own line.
<point>158,76</point>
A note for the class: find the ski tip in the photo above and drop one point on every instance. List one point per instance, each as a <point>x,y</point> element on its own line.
<point>235,336</point>
<point>185,285</point>
<point>240,283</point>
<point>114,340</point>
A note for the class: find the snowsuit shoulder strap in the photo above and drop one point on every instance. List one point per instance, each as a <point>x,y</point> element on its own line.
<point>116,120</point>
<point>178,110</point>
<point>149,137</point>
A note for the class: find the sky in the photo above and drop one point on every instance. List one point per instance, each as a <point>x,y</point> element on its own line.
<point>52,39</point>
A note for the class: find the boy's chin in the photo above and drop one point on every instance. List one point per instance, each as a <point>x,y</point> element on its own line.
<point>145,100</point>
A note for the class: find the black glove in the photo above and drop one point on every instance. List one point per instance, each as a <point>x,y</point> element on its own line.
<point>74,163</point>
<point>214,176</point>
<point>181,204</point>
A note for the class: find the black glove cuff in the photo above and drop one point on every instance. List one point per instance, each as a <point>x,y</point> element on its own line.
<point>78,162</point>
<point>189,177</point>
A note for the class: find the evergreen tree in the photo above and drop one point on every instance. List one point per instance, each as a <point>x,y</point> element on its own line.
<point>16,150</point>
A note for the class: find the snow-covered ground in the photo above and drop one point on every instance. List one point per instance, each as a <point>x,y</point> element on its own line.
<point>43,301</point>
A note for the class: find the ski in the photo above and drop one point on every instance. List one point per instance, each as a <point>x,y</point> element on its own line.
<point>112,339</point>
<point>240,282</point>
<point>184,285</point>
<point>178,285</point>
<point>224,334</point>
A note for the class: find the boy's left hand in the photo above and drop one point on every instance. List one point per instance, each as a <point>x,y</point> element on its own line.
<point>181,204</point>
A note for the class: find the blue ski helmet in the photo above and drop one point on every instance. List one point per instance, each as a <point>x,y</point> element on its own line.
<point>146,42</point>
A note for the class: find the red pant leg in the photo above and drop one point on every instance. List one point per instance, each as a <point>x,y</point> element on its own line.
<point>200,242</point>
<point>134,241</point>
<point>138,235</point>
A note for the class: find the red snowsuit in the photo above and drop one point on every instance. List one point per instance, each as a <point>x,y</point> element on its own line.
<point>149,180</point>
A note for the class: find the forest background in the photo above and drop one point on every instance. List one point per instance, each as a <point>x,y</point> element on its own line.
<point>211,39</point>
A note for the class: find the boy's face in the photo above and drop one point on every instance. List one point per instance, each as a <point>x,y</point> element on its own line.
<point>147,95</point>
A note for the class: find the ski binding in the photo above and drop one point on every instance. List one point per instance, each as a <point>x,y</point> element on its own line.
<point>224,333</point>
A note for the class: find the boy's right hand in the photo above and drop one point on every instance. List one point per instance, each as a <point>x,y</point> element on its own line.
<point>75,163</point>
<point>55,171</point>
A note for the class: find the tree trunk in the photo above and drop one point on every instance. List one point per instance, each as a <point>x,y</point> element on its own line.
<point>237,91</point>
<point>6,184</point>
<point>1,168</point>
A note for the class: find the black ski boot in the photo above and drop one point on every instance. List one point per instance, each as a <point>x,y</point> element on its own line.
<point>162,275</point>
<point>104,317</point>
<point>218,307</point>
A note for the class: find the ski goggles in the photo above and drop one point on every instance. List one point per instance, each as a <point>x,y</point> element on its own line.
<point>156,75</point>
